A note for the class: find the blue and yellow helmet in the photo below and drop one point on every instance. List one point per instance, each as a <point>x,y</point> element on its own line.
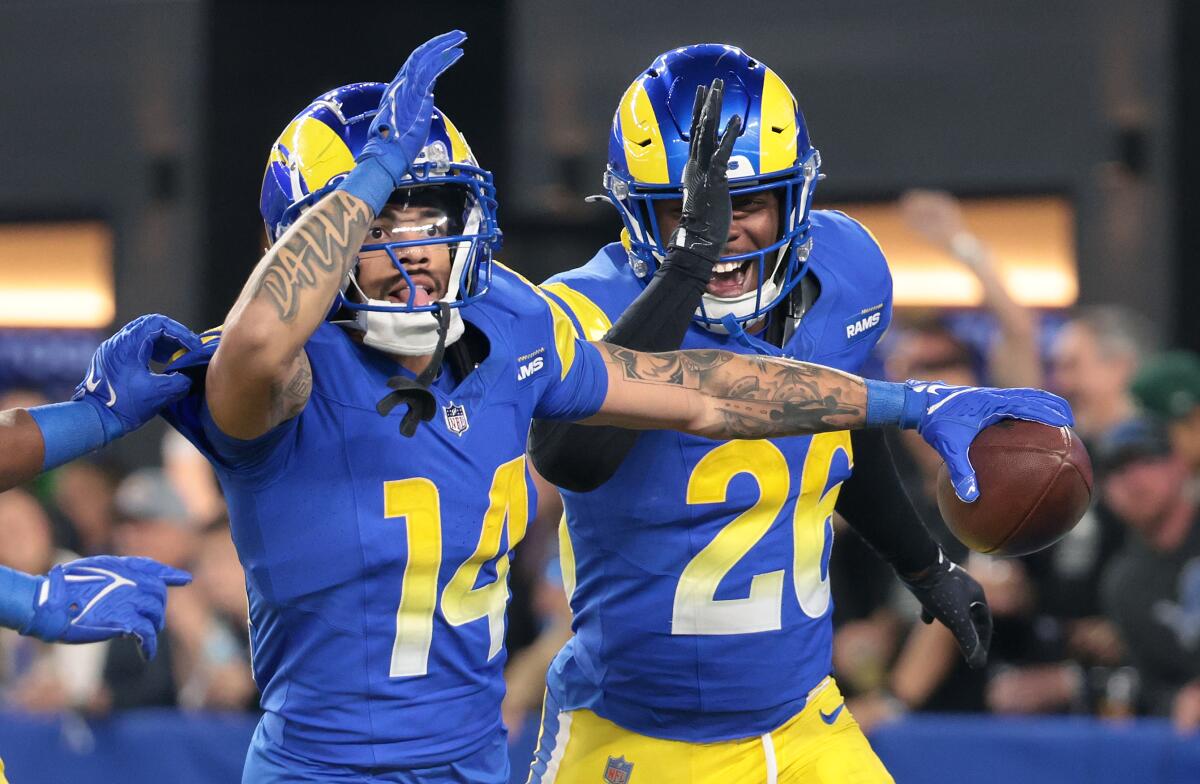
<point>316,151</point>
<point>648,149</point>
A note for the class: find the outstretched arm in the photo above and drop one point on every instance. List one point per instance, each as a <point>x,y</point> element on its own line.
<point>22,449</point>
<point>119,394</point>
<point>91,599</point>
<point>720,395</point>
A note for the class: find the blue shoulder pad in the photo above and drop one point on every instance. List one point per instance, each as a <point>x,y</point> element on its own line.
<point>854,307</point>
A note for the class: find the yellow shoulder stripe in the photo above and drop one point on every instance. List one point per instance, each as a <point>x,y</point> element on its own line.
<point>591,317</point>
<point>564,331</point>
<point>206,337</point>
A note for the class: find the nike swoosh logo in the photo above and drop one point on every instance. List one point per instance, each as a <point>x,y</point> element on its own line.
<point>831,717</point>
<point>92,384</point>
<point>114,580</point>
<point>947,399</point>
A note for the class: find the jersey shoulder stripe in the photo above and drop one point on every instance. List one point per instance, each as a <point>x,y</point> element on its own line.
<point>605,286</point>
<point>591,319</point>
<point>564,331</point>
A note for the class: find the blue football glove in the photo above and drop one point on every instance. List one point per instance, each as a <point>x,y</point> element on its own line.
<point>120,385</point>
<point>401,127</point>
<point>98,598</point>
<point>949,418</point>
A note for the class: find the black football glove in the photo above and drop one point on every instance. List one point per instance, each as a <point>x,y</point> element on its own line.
<point>948,593</point>
<point>706,211</point>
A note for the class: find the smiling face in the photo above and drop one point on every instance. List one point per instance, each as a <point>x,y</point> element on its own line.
<point>427,265</point>
<point>755,226</point>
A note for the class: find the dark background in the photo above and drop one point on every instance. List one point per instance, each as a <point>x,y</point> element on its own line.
<point>156,115</point>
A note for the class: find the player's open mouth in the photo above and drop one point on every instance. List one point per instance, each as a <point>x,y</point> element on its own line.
<point>729,278</point>
<point>421,295</point>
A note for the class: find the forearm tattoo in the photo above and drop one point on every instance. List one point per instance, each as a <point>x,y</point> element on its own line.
<point>322,245</point>
<point>755,396</point>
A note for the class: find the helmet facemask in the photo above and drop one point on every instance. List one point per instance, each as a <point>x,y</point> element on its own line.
<point>780,265</point>
<point>449,214</point>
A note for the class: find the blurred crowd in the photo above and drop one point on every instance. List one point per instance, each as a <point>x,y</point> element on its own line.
<point>173,513</point>
<point>1106,622</point>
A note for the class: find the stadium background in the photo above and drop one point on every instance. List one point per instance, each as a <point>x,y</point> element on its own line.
<point>152,118</point>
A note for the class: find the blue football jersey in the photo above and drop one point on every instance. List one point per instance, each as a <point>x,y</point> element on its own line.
<point>376,565</point>
<point>700,569</point>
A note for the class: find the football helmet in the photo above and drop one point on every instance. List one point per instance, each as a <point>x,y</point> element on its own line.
<point>648,149</point>
<point>317,150</point>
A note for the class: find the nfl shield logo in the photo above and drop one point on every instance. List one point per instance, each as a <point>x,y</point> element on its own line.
<point>456,418</point>
<point>618,770</point>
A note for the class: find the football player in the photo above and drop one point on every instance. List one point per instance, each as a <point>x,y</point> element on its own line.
<point>701,592</point>
<point>366,408</point>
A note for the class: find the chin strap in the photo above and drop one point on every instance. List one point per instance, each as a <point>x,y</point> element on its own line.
<point>422,405</point>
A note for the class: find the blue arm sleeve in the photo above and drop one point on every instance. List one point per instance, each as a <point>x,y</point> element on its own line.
<point>581,392</point>
<point>17,593</point>
<point>69,430</point>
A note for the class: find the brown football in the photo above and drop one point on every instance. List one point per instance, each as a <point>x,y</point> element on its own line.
<point>1035,482</point>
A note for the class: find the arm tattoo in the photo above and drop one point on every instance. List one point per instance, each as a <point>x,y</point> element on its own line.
<point>288,400</point>
<point>755,396</point>
<point>324,242</point>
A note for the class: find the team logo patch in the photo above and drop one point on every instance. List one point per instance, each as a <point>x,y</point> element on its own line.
<point>862,324</point>
<point>456,418</point>
<point>618,771</point>
<point>530,363</point>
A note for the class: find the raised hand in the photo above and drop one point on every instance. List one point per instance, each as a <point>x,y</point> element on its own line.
<point>120,384</point>
<point>401,127</point>
<point>98,598</point>
<point>706,211</point>
<point>949,418</point>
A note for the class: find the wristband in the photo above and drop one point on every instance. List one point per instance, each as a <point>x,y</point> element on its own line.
<point>18,591</point>
<point>371,182</point>
<point>893,404</point>
<point>69,430</point>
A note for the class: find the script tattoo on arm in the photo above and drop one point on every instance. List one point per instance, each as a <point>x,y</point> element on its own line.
<point>323,243</point>
<point>754,396</point>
